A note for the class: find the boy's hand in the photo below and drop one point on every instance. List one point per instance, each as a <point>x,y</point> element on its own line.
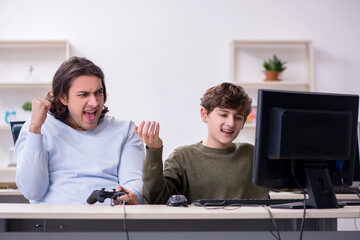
<point>149,134</point>
<point>39,110</point>
<point>131,195</point>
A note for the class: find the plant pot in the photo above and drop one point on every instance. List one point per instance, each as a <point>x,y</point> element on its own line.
<point>272,76</point>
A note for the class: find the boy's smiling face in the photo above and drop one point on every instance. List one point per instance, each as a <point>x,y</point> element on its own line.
<point>224,126</point>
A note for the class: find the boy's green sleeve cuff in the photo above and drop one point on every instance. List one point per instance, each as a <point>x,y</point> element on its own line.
<point>153,154</point>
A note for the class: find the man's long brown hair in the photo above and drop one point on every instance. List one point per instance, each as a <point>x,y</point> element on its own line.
<point>69,70</point>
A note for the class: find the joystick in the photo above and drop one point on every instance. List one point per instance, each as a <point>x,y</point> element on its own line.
<point>101,195</point>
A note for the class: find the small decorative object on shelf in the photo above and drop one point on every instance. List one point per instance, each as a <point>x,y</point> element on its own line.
<point>251,119</point>
<point>31,75</point>
<point>27,107</point>
<point>12,159</point>
<point>273,68</point>
<point>10,116</point>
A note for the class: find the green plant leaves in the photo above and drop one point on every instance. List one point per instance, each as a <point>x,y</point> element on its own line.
<point>27,106</point>
<point>274,64</point>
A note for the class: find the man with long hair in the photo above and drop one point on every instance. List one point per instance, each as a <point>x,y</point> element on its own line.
<point>71,147</point>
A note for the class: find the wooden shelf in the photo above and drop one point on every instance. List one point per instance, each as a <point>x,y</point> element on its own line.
<point>36,43</point>
<point>247,57</point>
<point>274,84</point>
<point>25,85</point>
<point>27,68</point>
<point>270,42</point>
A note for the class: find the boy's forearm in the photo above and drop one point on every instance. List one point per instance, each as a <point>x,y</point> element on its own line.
<point>155,189</point>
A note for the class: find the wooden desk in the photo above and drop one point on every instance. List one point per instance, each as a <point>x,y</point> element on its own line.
<point>163,222</point>
<point>12,196</point>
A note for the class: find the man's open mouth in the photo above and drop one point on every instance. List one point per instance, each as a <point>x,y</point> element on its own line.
<point>90,115</point>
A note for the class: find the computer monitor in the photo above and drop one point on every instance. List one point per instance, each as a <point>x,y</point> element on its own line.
<point>15,129</point>
<point>313,135</point>
<point>357,162</point>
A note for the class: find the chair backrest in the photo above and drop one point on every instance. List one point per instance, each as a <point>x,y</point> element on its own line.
<point>15,129</point>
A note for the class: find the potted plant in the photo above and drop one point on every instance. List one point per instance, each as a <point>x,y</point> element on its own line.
<point>27,107</point>
<point>273,68</point>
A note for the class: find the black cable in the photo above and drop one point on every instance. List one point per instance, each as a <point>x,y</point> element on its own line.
<point>278,237</point>
<point>124,222</point>
<point>346,186</point>
<point>303,192</point>
<point>355,224</point>
<point>352,190</point>
<point>236,206</point>
<point>116,201</point>
<point>11,186</point>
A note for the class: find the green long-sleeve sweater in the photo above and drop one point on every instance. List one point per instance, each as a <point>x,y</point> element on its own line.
<point>200,172</point>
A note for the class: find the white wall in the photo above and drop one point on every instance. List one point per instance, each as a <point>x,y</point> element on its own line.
<point>159,56</point>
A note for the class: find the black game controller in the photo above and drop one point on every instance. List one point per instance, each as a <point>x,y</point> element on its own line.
<point>177,200</point>
<point>101,195</point>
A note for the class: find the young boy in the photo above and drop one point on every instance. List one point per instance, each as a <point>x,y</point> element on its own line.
<point>215,168</point>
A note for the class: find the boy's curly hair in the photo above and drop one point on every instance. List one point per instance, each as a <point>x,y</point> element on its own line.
<point>227,95</point>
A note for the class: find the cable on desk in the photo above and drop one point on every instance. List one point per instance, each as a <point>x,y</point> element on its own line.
<point>303,192</point>
<point>124,223</point>
<point>116,201</point>
<point>346,186</point>
<point>11,186</point>
<point>272,220</point>
<point>355,224</point>
<point>236,206</point>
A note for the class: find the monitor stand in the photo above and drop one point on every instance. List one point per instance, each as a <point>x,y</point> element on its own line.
<point>319,188</point>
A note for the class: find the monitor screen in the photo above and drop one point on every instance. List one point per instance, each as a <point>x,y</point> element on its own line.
<point>15,129</point>
<point>306,139</point>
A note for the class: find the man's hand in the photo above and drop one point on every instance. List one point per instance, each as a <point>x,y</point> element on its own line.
<point>131,195</point>
<point>40,107</point>
<point>149,134</point>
